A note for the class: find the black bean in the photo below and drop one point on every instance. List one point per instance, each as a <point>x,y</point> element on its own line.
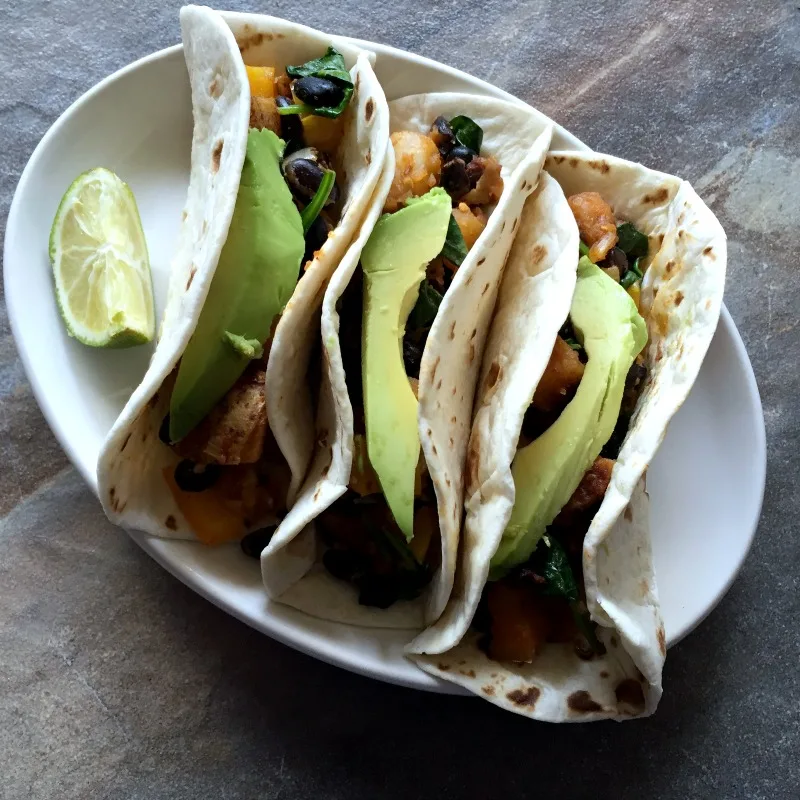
<point>616,258</point>
<point>454,178</point>
<point>163,431</point>
<point>442,135</point>
<point>304,176</point>
<point>378,591</point>
<point>318,92</point>
<point>291,126</point>
<point>464,153</point>
<point>255,542</point>
<point>475,170</point>
<point>192,477</point>
<point>346,565</point>
<point>412,357</point>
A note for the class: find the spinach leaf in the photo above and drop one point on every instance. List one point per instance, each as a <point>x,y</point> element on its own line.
<point>632,241</point>
<point>311,211</point>
<point>455,248</point>
<point>468,133</point>
<point>426,308</point>
<point>583,249</point>
<point>560,581</point>
<point>330,66</point>
<point>574,344</point>
<point>587,628</point>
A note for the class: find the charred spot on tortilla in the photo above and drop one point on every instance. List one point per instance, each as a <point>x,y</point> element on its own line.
<point>503,226</point>
<point>628,514</point>
<point>467,673</point>
<point>471,352</point>
<point>171,523</point>
<point>125,443</point>
<point>325,471</point>
<point>559,159</point>
<point>489,690</point>
<point>111,492</point>
<point>613,640</point>
<point>573,162</point>
<point>433,373</point>
<point>600,166</point>
<point>680,234</point>
<point>709,251</point>
<point>216,156</point>
<point>662,640</point>
<point>368,157</point>
<point>582,702</point>
<point>480,261</point>
<point>525,697</point>
<point>153,401</point>
<point>369,109</point>
<point>215,87</point>
<point>443,667</point>
<point>603,674</point>
<point>485,289</point>
<point>668,267</point>
<point>493,375</point>
<point>658,196</point>
<point>678,298</point>
<point>514,226</point>
<point>191,277</point>
<point>473,460</point>
<point>453,420</point>
<point>453,392</point>
<point>630,692</point>
<point>439,385</point>
<point>447,480</point>
<point>538,252</point>
<point>358,81</point>
<point>452,334</point>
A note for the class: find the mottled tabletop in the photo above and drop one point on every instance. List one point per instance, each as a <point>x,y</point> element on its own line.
<point>117,681</point>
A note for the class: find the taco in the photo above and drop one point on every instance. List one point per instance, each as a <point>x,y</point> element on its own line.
<point>404,323</point>
<point>555,614</point>
<point>290,134</point>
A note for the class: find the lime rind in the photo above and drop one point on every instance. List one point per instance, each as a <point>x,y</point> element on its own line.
<point>100,263</point>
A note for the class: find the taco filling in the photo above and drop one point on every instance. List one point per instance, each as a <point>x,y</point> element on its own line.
<point>232,475</point>
<point>383,534</point>
<point>571,435</point>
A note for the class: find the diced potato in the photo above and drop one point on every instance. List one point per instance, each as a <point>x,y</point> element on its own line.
<point>635,291</point>
<point>264,114</point>
<point>520,624</point>
<point>211,519</point>
<point>562,374</point>
<point>323,133</point>
<point>262,81</point>
<point>417,168</point>
<point>471,223</point>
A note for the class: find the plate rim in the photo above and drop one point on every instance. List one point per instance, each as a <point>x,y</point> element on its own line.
<point>280,630</point>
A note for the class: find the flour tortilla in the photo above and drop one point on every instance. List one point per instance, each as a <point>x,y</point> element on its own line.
<point>681,299</point>
<point>216,47</point>
<point>519,137</point>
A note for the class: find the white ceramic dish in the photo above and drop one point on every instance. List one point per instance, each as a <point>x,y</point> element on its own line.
<point>706,498</point>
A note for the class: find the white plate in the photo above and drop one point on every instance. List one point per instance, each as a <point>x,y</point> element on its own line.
<point>706,498</point>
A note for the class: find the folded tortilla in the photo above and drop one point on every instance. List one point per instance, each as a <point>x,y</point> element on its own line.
<point>681,300</point>
<point>217,46</point>
<point>518,137</point>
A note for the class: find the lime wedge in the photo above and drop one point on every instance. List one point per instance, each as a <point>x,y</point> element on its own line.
<point>100,263</point>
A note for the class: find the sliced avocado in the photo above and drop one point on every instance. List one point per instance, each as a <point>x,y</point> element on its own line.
<point>548,470</point>
<point>394,262</point>
<point>255,278</point>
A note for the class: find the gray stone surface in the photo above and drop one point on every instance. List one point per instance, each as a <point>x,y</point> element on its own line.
<point>118,682</point>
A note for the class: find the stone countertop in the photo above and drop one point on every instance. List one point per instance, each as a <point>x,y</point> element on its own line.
<point>117,681</point>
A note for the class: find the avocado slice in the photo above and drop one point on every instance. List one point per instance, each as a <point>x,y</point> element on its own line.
<point>394,262</point>
<point>255,278</point>
<point>548,470</point>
